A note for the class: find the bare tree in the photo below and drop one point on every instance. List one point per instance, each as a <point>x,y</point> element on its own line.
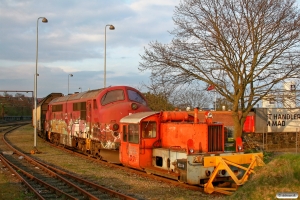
<point>19,95</point>
<point>191,96</point>
<point>178,95</point>
<point>223,104</point>
<point>245,48</point>
<point>158,94</point>
<point>158,102</point>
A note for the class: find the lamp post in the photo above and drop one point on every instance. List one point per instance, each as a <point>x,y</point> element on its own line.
<point>111,27</point>
<point>70,75</point>
<point>80,89</point>
<point>2,111</point>
<point>44,20</point>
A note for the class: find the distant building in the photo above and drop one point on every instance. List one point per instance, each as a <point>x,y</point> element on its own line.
<point>285,99</point>
<point>269,101</point>
<point>289,99</point>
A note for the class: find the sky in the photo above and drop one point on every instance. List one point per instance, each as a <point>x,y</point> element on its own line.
<point>73,42</point>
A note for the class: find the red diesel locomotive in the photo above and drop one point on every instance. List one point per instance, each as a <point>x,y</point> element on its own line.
<point>89,121</point>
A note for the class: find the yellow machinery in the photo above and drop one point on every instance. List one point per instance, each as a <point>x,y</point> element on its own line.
<point>224,162</point>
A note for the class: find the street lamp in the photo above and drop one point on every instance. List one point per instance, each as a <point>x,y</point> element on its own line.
<point>111,27</point>
<point>80,89</point>
<point>2,111</point>
<point>44,20</point>
<point>70,75</point>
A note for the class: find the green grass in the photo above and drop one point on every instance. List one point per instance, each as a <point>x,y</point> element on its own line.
<point>280,174</point>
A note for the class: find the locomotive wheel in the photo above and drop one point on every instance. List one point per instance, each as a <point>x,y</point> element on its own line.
<point>99,157</point>
<point>52,139</point>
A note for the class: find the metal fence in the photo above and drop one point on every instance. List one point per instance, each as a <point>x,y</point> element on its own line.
<point>285,142</point>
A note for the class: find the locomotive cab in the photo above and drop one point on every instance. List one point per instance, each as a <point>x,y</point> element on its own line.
<point>139,133</point>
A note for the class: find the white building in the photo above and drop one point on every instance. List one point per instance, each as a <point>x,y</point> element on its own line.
<point>289,99</point>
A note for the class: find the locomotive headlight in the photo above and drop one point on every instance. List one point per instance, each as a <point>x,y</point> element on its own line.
<point>134,106</point>
<point>115,127</point>
<point>191,150</point>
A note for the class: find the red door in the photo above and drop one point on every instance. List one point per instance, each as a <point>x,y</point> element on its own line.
<point>123,152</point>
<point>148,138</point>
<point>89,115</point>
<point>137,144</point>
<point>130,146</point>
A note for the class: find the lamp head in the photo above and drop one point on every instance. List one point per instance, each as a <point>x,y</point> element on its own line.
<point>71,75</point>
<point>45,20</point>
<point>111,27</point>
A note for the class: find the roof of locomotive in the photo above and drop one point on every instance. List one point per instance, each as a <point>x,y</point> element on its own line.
<point>49,97</point>
<point>137,117</point>
<point>77,96</point>
<point>91,94</point>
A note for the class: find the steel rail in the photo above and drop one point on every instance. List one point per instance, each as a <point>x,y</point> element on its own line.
<point>20,177</point>
<point>58,174</point>
<point>15,169</point>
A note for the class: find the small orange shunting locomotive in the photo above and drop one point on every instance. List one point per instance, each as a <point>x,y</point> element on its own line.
<point>176,145</point>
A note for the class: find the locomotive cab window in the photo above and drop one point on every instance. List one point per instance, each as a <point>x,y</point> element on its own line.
<point>125,133</point>
<point>135,96</point>
<point>133,133</point>
<point>149,129</point>
<point>112,96</point>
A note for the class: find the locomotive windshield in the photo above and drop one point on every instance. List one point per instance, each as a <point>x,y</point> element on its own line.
<point>133,133</point>
<point>135,96</point>
<point>112,96</point>
<point>149,129</point>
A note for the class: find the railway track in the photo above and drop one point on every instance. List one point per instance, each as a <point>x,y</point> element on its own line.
<point>48,182</point>
<point>130,170</point>
<point>89,157</point>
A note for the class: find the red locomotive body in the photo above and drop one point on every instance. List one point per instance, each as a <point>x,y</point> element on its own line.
<point>89,121</point>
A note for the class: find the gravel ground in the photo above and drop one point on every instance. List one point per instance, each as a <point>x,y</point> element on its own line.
<point>116,179</point>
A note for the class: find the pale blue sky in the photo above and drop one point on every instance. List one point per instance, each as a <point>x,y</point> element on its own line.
<point>73,42</point>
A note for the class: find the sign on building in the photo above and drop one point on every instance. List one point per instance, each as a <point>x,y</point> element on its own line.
<point>277,120</point>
